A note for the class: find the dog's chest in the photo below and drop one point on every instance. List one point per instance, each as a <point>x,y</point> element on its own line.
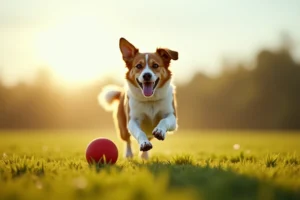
<point>148,114</point>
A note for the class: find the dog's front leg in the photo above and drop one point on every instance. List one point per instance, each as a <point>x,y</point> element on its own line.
<point>166,124</point>
<point>139,135</point>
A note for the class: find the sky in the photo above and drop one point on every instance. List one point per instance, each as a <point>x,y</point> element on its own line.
<point>79,40</point>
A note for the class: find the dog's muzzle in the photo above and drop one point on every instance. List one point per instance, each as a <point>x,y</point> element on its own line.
<point>148,87</point>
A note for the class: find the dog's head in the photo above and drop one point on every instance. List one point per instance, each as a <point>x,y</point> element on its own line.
<point>147,71</point>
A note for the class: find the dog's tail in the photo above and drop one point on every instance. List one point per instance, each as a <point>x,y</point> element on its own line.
<point>108,96</point>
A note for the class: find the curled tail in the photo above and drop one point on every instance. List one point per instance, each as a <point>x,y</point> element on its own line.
<point>109,95</point>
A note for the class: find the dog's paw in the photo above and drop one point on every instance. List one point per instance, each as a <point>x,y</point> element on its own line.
<point>159,133</point>
<point>145,146</point>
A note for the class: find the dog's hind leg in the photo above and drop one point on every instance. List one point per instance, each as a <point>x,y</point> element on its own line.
<point>128,150</point>
<point>121,126</point>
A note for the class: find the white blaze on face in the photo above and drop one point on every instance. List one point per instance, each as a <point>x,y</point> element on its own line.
<point>148,87</point>
<point>147,70</point>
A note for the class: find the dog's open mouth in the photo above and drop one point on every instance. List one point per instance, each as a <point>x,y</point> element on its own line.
<point>148,87</point>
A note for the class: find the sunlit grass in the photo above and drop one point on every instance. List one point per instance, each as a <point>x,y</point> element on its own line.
<point>187,165</point>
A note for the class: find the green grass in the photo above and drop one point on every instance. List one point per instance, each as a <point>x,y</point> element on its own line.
<point>187,165</point>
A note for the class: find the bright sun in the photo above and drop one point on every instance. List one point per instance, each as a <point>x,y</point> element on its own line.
<point>76,51</point>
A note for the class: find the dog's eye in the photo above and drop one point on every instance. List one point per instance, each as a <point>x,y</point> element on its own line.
<point>155,65</point>
<point>139,66</point>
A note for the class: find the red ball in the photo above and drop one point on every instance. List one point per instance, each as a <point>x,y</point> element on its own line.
<point>102,150</point>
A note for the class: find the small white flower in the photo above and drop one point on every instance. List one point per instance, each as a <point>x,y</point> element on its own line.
<point>39,185</point>
<point>236,146</point>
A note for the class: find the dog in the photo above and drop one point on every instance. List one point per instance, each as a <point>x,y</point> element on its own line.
<point>145,107</point>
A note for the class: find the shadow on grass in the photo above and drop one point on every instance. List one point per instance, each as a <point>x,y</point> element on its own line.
<point>213,183</point>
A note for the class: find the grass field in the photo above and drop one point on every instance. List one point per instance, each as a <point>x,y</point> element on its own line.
<point>187,165</point>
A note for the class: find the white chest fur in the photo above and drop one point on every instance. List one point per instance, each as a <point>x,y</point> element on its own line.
<point>148,112</point>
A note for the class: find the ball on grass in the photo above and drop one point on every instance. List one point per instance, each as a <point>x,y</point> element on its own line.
<point>103,151</point>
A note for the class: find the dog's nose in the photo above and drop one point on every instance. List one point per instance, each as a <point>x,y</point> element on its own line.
<point>147,76</point>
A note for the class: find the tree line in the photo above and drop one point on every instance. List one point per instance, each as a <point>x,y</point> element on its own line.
<point>263,96</point>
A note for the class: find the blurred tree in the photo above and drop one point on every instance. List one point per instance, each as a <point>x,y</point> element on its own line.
<point>266,97</point>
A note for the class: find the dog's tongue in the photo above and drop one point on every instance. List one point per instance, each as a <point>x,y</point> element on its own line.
<point>148,89</point>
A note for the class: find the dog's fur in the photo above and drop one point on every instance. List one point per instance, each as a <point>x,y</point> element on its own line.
<point>146,104</point>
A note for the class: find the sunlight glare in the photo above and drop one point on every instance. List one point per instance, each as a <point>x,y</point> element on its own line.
<point>77,50</point>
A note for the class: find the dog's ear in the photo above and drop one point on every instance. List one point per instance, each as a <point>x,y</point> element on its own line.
<point>167,54</point>
<point>127,49</point>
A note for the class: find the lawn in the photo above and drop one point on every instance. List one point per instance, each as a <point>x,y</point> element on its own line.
<point>187,165</point>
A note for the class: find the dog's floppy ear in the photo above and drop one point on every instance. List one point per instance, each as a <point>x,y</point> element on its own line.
<point>127,49</point>
<point>167,54</point>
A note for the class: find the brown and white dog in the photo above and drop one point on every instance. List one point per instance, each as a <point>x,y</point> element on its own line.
<point>146,104</point>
